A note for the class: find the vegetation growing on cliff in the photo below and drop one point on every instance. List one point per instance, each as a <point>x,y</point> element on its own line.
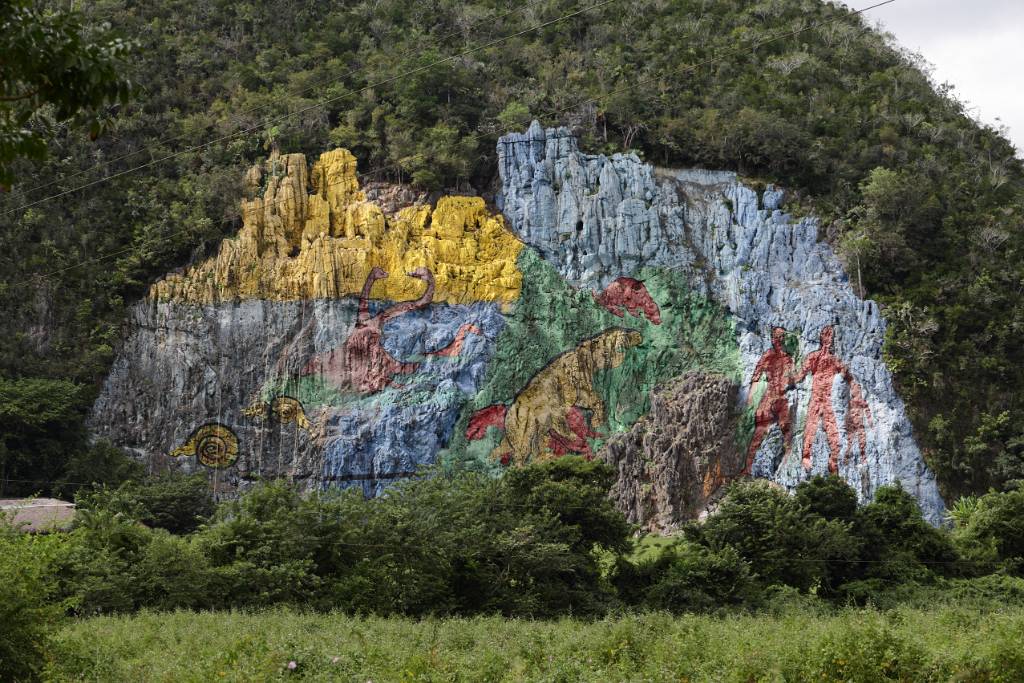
<point>924,203</point>
<point>543,541</point>
<point>55,71</point>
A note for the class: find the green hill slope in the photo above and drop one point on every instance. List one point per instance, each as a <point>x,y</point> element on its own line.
<point>924,203</point>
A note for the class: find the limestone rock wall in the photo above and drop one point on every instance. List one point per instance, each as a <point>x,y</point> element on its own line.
<point>322,245</point>
<point>597,218</point>
<point>329,341</point>
<point>675,323</point>
<point>672,462</point>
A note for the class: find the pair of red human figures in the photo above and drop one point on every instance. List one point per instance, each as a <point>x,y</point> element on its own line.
<point>777,367</point>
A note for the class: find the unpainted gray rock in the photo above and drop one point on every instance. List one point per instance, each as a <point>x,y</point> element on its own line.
<point>673,462</point>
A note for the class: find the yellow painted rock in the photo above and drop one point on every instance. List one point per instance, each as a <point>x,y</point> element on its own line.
<point>300,245</point>
<point>214,444</point>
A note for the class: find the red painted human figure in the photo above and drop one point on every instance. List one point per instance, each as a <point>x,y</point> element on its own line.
<point>362,363</point>
<point>857,417</point>
<point>824,366</point>
<point>777,368</point>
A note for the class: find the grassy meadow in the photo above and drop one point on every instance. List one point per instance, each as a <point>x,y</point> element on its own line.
<point>797,644</point>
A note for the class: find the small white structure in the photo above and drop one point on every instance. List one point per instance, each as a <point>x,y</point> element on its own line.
<point>38,515</point>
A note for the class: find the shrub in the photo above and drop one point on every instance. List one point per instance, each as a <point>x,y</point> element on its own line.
<point>101,464</point>
<point>783,541</point>
<point>686,577</point>
<point>898,543</point>
<point>992,535</point>
<point>261,547</point>
<point>97,573</point>
<point>176,503</point>
<point>172,573</point>
<point>113,563</point>
<point>828,497</point>
<point>27,609</point>
<point>526,544</point>
<point>869,651</point>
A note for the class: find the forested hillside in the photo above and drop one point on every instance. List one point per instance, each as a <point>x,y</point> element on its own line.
<point>923,203</point>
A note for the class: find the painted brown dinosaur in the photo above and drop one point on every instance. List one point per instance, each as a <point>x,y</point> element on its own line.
<point>547,418</point>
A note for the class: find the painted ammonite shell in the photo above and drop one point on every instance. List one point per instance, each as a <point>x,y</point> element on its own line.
<point>287,409</point>
<point>213,444</point>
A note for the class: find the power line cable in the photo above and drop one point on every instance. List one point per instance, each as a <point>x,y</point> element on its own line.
<point>303,110</point>
<point>236,118</point>
<point>548,114</point>
<point>131,247</point>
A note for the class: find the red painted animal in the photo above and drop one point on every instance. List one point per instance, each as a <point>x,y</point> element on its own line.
<point>627,295</point>
<point>362,363</point>
<point>455,347</point>
<point>560,444</point>
<point>491,416</point>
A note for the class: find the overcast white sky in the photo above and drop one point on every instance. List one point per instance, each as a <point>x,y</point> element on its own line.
<point>977,45</point>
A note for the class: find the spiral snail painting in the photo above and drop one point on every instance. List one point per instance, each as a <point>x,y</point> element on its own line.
<point>213,444</point>
<point>283,409</point>
<point>287,409</point>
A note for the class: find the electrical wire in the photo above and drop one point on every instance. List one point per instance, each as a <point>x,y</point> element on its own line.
<point>237,117</point>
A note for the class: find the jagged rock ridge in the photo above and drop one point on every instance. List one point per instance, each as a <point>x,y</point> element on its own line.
<point>673,461</point>
<point>596,218</point>
<point>343,344</point>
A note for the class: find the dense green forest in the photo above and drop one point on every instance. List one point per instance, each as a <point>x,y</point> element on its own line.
<point>923,203</point>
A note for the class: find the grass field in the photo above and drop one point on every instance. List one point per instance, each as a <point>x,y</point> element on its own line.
<point>855,645</point>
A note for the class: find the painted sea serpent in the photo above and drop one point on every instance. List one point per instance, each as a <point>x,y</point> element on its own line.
<point>362,363</point>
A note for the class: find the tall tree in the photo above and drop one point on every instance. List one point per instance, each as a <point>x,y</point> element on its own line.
<point>53,69</point>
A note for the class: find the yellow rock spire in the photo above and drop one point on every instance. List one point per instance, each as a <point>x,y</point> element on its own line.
<point>300,245</point>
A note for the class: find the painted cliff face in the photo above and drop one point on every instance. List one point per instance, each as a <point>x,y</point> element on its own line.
<point>341,345</point>
<point>549,416</point>
<point>827,402</point>
<point>327,342</point>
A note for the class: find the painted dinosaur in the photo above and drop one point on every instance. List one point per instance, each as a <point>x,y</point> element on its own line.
<point>547,418</point>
